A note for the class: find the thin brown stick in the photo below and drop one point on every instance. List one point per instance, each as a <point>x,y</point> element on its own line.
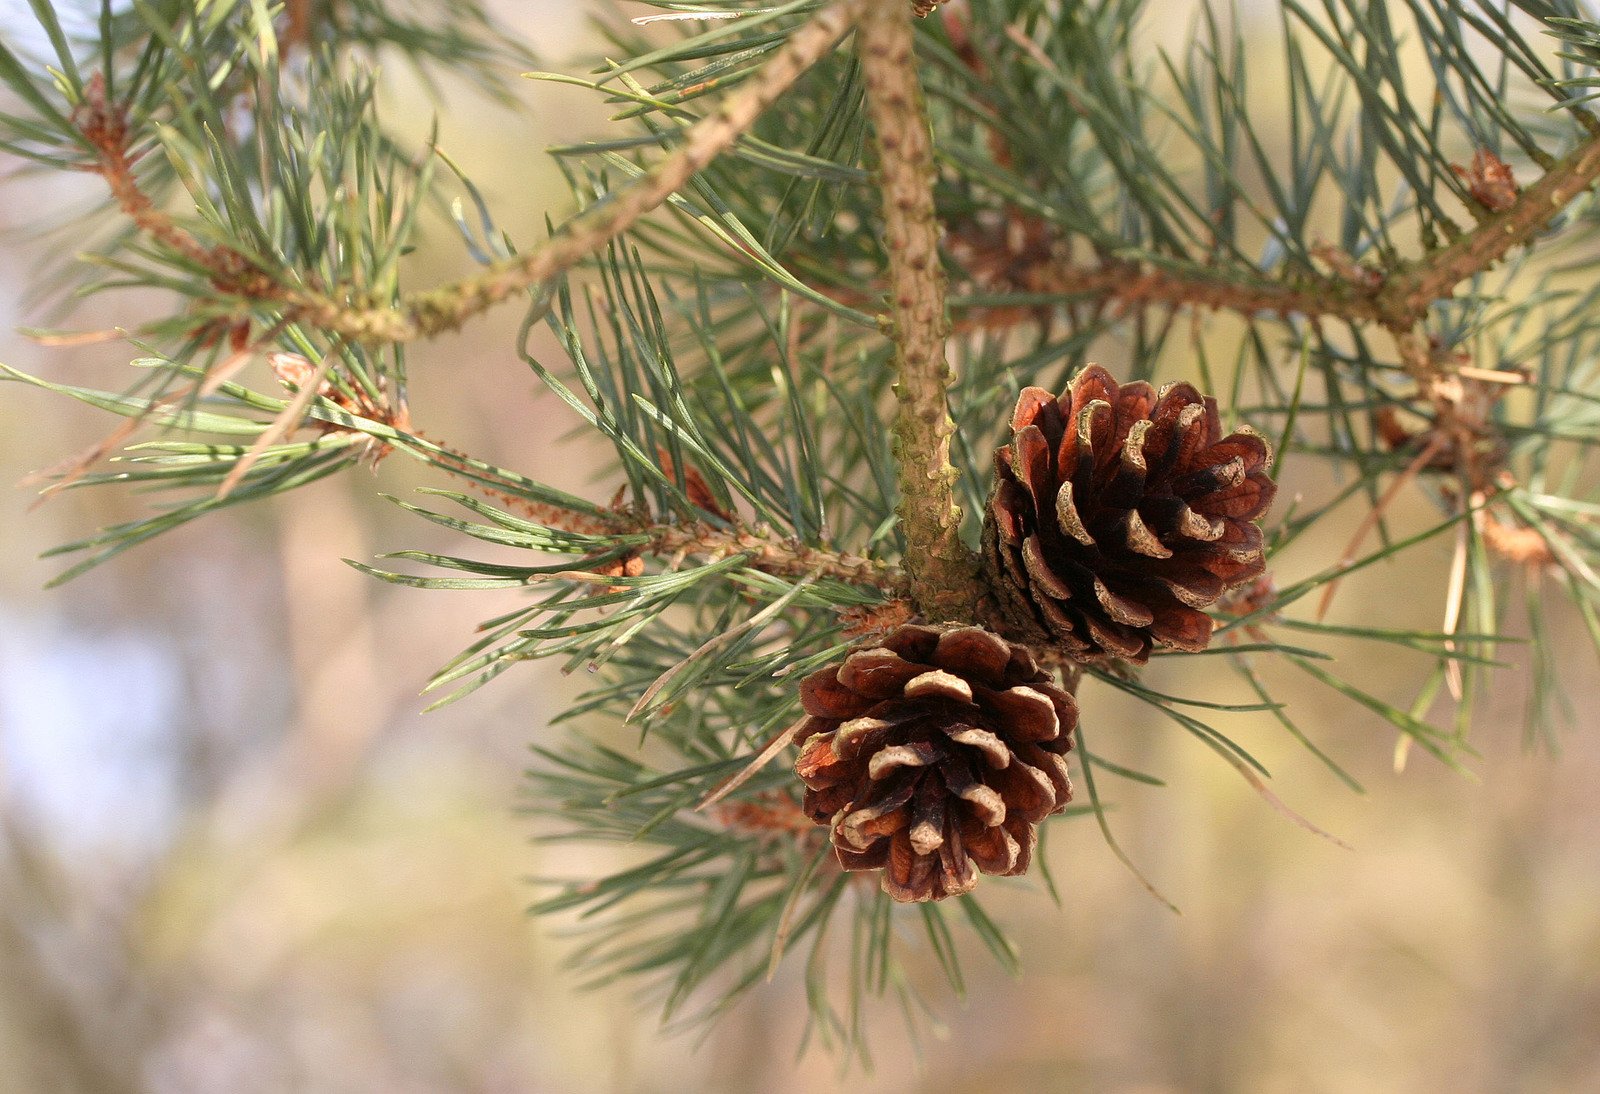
<point>1414,468</point>
<point>768,753</point>
<point>281,426</point>
<point>1398,299</point>
<point>104,124</point>
<point>942,568</point>
<point>785,557</point>
<point>1132,283</point>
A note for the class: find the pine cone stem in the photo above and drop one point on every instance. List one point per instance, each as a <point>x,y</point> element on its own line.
<point>943,570</point>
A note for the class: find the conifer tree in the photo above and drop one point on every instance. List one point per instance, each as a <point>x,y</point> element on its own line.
<point>901,322</point>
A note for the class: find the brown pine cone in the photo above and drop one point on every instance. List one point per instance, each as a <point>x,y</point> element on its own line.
<point>1118,513</point>
<point>933,754</point>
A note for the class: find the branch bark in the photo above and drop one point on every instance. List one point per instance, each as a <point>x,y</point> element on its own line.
<point>1142,283</point>
<point>781,558</point>
<point>942,569</point>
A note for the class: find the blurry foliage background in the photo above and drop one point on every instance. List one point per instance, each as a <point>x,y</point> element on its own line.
<point>234,857</point>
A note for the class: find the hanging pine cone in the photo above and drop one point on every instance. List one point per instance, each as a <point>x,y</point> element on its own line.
<point>1118,513</point>
<point>933,754</point>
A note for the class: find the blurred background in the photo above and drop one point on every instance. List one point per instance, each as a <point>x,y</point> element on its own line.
<point>235,857</point>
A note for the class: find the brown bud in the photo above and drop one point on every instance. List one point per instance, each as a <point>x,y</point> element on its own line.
<point>1489,180</point>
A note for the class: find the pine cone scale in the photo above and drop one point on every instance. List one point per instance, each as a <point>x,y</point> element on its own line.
<point>1068,517</point>
<point>896,757</point>
<point>1137,538</point>
<point>990,747</point>
<point>927,825</point>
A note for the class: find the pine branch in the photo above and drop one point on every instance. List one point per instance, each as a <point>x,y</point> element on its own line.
<point>1407,294</point>
<point>943,570</point>
<point>425,314</point>
<point>786,557</point>
<point>1397,300</point>
<point>104,125</point>
<point>677,540</point>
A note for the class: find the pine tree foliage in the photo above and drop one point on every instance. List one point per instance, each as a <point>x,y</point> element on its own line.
<point>1366,226</point>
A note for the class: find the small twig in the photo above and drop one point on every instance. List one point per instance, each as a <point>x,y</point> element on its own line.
<point>1372,518</point>
<point>778,557</point>
<point>943,570</point>
<point>1398,299</point>
<point>281,426</point>
<point>424,314</point>
<point>104,124</point>
<point>551,516</point>
<point>1132,283</point>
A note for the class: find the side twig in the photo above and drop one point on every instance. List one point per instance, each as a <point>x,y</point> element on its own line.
<point>425,314</point>
<point>1397,299</point>
<point>942,569</point>
<point>1407,294</point>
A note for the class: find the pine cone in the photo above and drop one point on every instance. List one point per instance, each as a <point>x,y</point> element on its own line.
<point>1118,513</point>
<point>933,754</point>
